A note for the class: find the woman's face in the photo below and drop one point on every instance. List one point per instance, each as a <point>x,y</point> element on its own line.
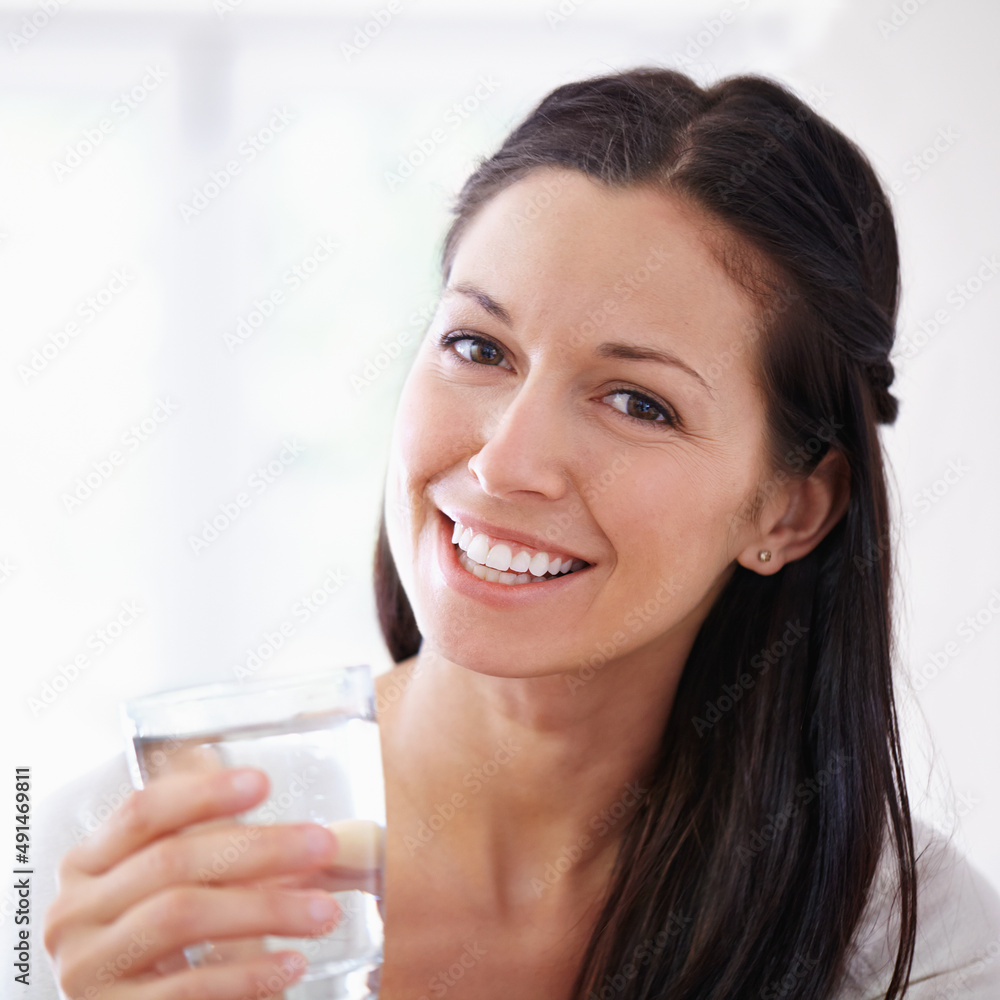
<point>529,422</point>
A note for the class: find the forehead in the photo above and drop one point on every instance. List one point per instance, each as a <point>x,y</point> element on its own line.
<point>567,254</point>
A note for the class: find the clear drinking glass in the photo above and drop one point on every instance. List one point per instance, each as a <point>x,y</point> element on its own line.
<point>316,736</point>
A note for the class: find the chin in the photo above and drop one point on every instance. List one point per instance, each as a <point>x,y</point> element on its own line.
<point>484,657</point>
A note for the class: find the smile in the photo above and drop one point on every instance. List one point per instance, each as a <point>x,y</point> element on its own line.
<point>510,563</point>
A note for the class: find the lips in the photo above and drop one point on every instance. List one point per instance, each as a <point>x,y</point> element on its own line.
<point>501,590</point>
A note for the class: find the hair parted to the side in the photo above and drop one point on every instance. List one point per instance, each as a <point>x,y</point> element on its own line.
<point>751,859</point>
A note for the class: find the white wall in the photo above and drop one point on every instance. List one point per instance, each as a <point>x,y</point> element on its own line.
<point>219,79</point>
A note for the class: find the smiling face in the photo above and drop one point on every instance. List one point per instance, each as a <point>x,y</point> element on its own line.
<point>530,408</point>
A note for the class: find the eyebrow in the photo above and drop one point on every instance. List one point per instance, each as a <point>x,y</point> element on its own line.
<point>623,352</point>
<point>633,352</point>
<point>488,303</point>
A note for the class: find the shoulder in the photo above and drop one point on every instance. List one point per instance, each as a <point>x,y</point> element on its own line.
<point>957,949</point>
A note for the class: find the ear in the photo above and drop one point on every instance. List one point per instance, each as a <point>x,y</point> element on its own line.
<point>799,516</point>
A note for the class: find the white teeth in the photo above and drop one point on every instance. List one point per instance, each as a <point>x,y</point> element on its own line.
<point>539,564</point>
<point>520,562</point>
<point>493,575</point>
<point>479,548</point>
<point>499,557</point>
<point>501,563</point>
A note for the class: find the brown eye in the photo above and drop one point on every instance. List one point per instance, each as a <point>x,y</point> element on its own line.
<point>473,349</point>
<point>636,406</point>
<point>483,352</point>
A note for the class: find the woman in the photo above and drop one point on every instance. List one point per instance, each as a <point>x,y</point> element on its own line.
<point>634,569</point>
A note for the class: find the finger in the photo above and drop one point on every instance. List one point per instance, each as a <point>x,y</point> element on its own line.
<point>229,950</point>
<point>186,915</point>
<point>259,977</point>
<point>169,756</point>
<point>360,843</point>
<point>359,859</point>
<point>168,803</point>
<point>358,862</point>
<point>234,854</point>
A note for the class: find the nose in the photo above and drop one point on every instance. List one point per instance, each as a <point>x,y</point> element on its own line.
<point>524,444</point>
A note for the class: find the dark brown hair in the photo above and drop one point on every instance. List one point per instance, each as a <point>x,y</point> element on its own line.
<point>745,870</point>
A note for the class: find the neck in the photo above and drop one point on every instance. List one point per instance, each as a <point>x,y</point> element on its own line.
<point>523,786</point>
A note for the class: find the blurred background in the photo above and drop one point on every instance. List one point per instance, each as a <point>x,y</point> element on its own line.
<point>219,229</point>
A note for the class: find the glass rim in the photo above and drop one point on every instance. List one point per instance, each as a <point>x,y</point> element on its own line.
<point>228,689</point>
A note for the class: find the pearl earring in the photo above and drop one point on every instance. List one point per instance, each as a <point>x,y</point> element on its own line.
<point>764,555</point>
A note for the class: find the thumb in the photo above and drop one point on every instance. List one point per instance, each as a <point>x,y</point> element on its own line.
<point>360,844</point>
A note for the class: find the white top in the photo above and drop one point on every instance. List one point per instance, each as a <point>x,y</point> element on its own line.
<point>957,952</point>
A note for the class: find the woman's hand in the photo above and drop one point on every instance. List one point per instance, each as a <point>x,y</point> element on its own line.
<point>142,888</point>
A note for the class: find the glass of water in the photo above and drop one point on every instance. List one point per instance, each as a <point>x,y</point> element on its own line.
<point>316,737</point>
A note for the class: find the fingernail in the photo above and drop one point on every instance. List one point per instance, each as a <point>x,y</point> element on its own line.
<point>245,782</point>
<point>323,908</point>
<point>318,842</point>
<point>293,963</point>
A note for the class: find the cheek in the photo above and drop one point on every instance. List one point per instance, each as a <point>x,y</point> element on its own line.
<point>435,424</point>
<point>418,440</point>
<point>670,531</point>
<point>429,439</point>
<point>409,465</point>
<point>671,514</point>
